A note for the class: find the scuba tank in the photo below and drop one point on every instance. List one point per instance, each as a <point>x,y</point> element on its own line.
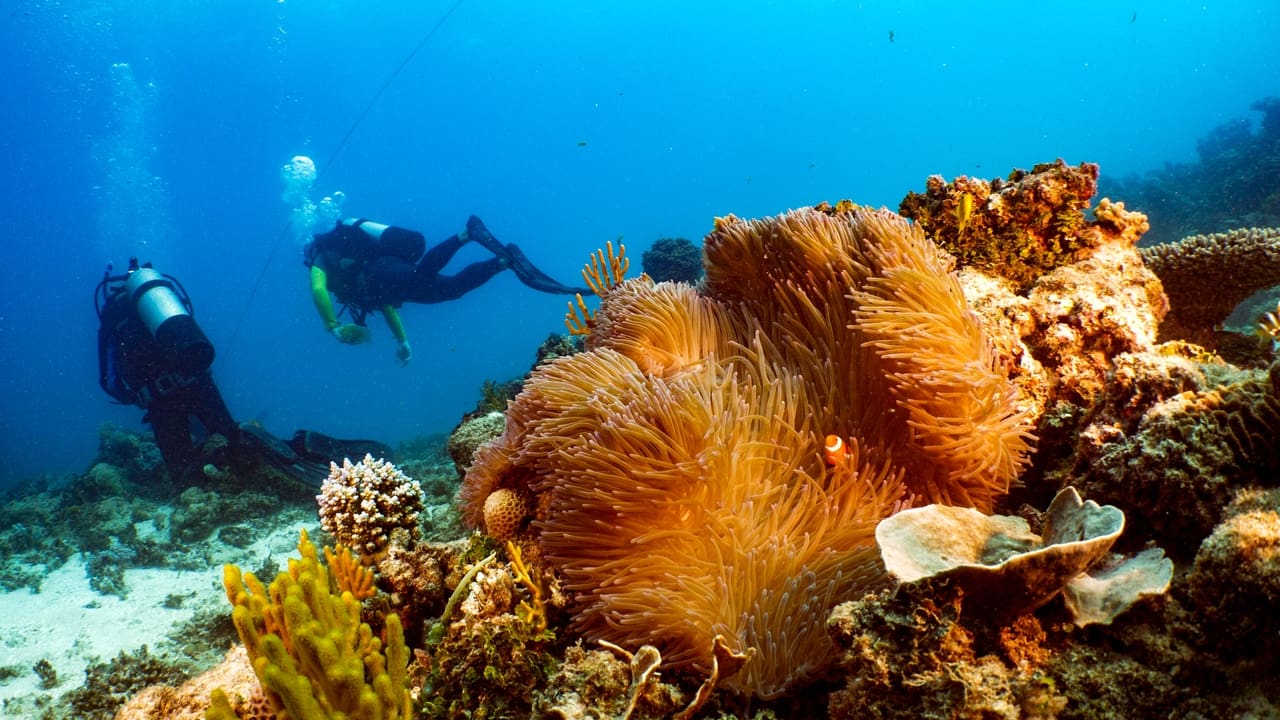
<point>164,308</point>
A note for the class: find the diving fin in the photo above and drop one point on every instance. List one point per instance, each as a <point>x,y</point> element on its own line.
<point>320,448</point>
<point>480,235</point>
<point>276,453</point>
<point>515,259</point>
<point>535,278</point>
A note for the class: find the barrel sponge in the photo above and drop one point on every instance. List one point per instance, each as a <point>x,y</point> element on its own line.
<point>361,504</point>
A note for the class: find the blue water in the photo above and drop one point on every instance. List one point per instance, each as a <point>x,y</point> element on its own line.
<point>158,129</point>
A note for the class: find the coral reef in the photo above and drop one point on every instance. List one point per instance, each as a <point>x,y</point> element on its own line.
<point>189,701</point>
<point>1018,228</point>
<point>470,434</point>
<point>915,656</point>
<point>673,260</point>
<point>676,467</point>
<point>599,683</point>
<point>107,686</point>
<point>361,504</point>
<point>695,478</point>
<point>487,661</point>
<point>1235,582</point>
<point>1174,440</point>
<point>1231,185</point>
<point>1207,276</point>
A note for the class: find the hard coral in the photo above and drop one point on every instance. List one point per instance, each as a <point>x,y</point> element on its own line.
<point>1236,578</point>
<point>1175,452</point>
<point>361,504</point>
<point>1006,570</point>
<point>1017,228</point>
<point>917,655</point>
<point>674,259</point>
<point>677,466</point>
<point>1207,276</point>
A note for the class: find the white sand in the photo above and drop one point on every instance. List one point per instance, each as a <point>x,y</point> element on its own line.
<point>71,625</point>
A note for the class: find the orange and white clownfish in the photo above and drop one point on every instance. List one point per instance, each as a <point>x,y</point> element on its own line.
<point>834,450</point>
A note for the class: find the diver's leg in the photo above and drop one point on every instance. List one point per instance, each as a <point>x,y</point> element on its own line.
<point>514,258</point>
<point>434,260</point>
<point>212,410</point>
<point>441,288</point>
<point>172,428</point>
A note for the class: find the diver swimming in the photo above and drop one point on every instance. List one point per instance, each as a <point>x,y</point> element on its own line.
<point>373,267</point>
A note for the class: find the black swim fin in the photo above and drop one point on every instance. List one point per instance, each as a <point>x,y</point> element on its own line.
<point>276,453</point>
<point>320,448</point>
<point>515,259</point>
<point>535,278</point>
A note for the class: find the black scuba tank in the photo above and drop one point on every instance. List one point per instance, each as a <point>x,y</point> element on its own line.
<point>403,243</point>
<point>167,314</point>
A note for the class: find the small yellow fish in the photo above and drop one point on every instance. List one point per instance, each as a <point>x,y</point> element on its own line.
<point>964,210</point>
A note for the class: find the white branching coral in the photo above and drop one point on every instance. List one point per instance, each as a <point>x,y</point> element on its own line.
<point>361,504</point>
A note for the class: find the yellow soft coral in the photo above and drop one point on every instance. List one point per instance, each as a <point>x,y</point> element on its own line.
<point>313,656</point>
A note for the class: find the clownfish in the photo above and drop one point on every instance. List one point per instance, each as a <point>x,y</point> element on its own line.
<point>834,450</point>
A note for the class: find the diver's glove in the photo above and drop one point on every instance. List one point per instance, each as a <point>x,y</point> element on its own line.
<point>404,353</point>
<point>351,334</point>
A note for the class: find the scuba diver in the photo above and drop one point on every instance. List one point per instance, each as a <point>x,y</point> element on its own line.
<point>374,267</point>
<point>151,353</point>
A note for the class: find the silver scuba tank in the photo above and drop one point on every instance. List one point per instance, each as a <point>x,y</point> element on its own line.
<point>166,315</point>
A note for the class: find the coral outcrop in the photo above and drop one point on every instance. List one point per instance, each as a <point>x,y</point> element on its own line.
<point>1231,185</point>
<point>1236,578</point>
<point>1207,276</point>
<point>1174,440</point>
<point>362,504</point>
<point>1017,228</point>
<point>672,259</point>
<point>677,469</point>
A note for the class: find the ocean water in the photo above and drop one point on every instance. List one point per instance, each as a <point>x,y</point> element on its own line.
<point>159,130</point>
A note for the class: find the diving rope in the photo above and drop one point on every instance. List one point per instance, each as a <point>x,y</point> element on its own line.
<point>324,168</point>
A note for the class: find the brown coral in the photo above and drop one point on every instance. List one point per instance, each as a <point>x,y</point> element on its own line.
<point>681,489</point>
<point>1236,578</point>
<point>1178,461</point>
<point>1018,228</point>
<point>1207,276</point>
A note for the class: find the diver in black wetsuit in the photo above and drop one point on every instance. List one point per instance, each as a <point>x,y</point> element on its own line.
<point>151,353</point>
<point>374,267</point>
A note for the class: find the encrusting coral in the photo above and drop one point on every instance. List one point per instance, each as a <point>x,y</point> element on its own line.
<point>361,504</point>
<point>677,468</point>
<point>313,655</point>
<point>1207,276</point>
<point>1018,228</point>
